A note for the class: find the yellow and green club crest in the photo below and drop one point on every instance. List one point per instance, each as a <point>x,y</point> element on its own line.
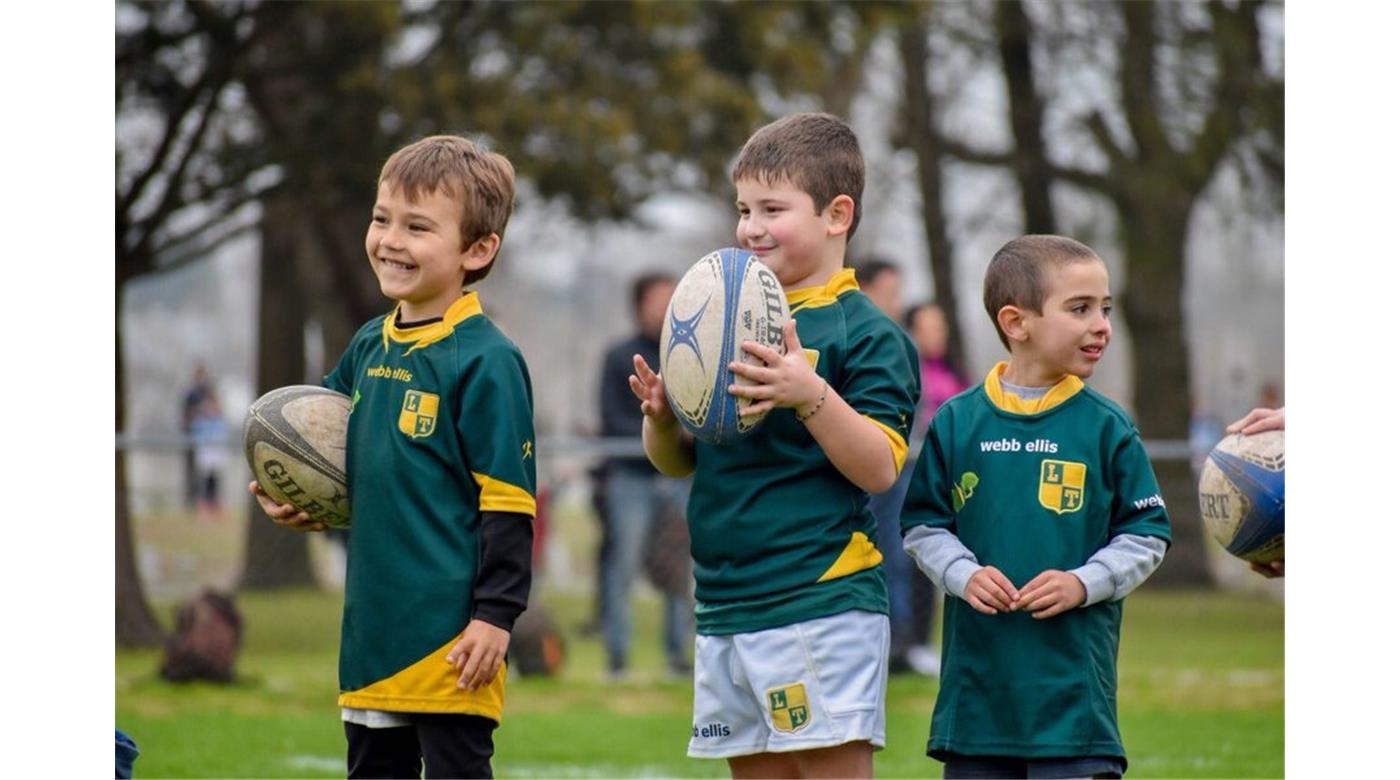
<point>1062,485</point>
<point>788,705</point>
<point>419,415</point>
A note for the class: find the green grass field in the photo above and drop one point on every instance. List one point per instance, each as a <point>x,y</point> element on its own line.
<point>1200,695</point>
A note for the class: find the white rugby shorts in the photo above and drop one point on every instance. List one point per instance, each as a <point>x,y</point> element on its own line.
<point>814,684</point>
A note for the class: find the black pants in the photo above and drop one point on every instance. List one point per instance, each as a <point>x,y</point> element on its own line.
<point>434,746</point>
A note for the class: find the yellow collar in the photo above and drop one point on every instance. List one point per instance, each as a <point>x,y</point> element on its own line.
<point>1062,391</point>
<point>463,308</point>
<point>807,297</point>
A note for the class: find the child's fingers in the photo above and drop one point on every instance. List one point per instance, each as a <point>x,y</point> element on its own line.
<point>1003,583</point>
<point>978,604</point>
<point>790,341</point>
<point>1055,607</point>
<point>992,595</point>
<point>458,654</point>
<point>767,354</point>
<point>487,671</point>
<point>469,667</point>
<point>1036,599</point>
<point>758,392</point>
<point>760,374</point>
<point>643,370</point>
<point>758,407</point>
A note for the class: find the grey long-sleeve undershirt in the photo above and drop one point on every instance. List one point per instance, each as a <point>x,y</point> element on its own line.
<point>1110,574</point>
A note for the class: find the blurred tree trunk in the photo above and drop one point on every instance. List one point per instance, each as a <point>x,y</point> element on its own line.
<point>920,133</point>
<point>278,557</point>
<point>136,625</point>
<point>1027,112</point>
<point>1154,229</point>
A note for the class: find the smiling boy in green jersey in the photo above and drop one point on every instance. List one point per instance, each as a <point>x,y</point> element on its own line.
<point>1034,506</point>
<point>792,619</point>
<point>440,460</point>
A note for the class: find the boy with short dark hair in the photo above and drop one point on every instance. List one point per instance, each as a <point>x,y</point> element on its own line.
<point>791,608</point>
<point>1034,506</point>
<point>441,468</point>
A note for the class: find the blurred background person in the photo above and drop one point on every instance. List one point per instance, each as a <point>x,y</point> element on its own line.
<point>195,395</point>
<point>635,496</point>
<point>210,433</point>
<point>938,381</point>
<point>883,284</point>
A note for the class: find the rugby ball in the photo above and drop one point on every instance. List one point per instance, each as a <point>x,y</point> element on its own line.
<point>1241,494</point>
<point>294,438</point>
<point>726,298</point>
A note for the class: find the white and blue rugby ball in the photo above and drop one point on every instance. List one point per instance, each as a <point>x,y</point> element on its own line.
<point>727,298</point>
<point>1241,495</point>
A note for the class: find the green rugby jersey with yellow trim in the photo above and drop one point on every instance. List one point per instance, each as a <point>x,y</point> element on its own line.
<point>441,430</point>
<point>778,534</point>
<point>1029,486</point>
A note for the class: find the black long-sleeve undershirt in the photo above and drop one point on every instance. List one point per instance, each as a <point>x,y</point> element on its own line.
<point>503,578</point>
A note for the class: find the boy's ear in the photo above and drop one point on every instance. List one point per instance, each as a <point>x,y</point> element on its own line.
<point>1012,322</point>
<point>481,252</point>
<point>839,213</point>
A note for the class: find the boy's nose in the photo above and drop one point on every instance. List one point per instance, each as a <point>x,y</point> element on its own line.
<point>393,238</point>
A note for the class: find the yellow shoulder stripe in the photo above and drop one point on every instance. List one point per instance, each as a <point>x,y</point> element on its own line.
<point>1062,391</point>
<point>825,295</point>
<point>898,446</point>
<point>860,554</point>
<point>463,308</point>
<point>430,685</point>
<point>498,496</point>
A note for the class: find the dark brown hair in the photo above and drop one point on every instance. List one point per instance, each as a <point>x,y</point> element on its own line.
<point>482,181</point>
<point>1016,275</point>
<point>816,153</point>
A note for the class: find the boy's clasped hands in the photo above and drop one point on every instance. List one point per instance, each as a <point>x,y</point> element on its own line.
<point>1048,594</point>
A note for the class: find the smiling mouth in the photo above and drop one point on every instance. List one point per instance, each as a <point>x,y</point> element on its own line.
<point>397,265</point>
<point>1094,350</point>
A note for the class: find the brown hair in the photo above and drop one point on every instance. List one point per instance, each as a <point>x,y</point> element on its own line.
<point>817,153</point>
<point>1016,277</point>
<point>482,181</point>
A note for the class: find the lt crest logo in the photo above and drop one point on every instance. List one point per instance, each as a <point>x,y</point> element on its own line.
<point>788,705</point>
<point>1062,485</point>
<point>419,415</point>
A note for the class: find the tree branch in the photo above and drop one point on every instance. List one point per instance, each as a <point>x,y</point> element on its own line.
<point>967,153</point>
<point>170,199</point>
<point>1087,179</point>
<point>176,120</point>
<point>1137,80</point>
<point>184,258</point>
<point>222,213</point>
<point>1238,58</point>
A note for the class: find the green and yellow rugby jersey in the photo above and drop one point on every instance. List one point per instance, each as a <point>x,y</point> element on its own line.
<point>441,430</point>
<point>778,534</point>
<point>1029,486</point>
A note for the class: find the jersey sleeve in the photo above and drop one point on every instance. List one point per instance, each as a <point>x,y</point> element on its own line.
<point>496,423</point>
<point>880,383</point>
<point>342,377</point>
<point>930,501</point>
<point>1137,500</point>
